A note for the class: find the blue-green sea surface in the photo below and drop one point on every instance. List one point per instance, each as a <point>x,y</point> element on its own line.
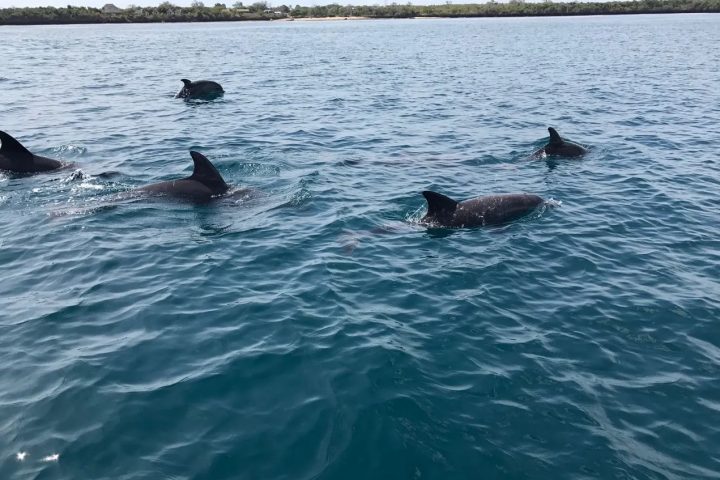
<point>313,329</point>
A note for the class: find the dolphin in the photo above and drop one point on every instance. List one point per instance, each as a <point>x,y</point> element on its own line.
<point>203,185</point>
<point>18,159</point>
<point>558,146</point>
<point>201,89</point>
<point>477,212</point>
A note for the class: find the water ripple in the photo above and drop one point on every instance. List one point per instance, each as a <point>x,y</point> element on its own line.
<point>313,328</point>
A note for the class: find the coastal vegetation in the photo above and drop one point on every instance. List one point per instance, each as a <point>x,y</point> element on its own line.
<point>513,8</point>
<point>198,12</point>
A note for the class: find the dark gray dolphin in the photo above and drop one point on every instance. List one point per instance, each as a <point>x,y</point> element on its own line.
<point>558,146</point>
<point>477,212</point>
<point>18,159</point>
<point>203,185</point>
<point>201,89</point>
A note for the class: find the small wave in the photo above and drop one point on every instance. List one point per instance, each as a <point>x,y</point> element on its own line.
<point>70,150</point>
<point>241,194</point>
<point>107,86</point>
<point>81,211</point>
<point>259,170</point>
<point>300,198</point>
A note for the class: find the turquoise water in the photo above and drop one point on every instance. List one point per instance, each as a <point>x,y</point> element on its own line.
<point>315,330</point>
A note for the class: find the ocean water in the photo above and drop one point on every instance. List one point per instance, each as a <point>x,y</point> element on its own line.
<point>314,330</point>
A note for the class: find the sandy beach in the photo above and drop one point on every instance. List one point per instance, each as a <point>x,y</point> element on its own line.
<point>320,19</point>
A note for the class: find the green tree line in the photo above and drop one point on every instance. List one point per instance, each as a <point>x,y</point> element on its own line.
<point>198,12</point>
<point>165,12</point>
<point>513,8</point>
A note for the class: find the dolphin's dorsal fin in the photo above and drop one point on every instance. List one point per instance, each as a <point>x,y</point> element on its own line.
<point>555,138</point>
<point>14,149</point>
<point>438,204</point>
<point>186,81</point>
<point>206,173</point>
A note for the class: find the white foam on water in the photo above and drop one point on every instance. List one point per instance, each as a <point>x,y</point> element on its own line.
<point>75,175</point>
<point>415,216</point>
<point>553,203</point>
<point>89,186</point>
<point>87,182</point>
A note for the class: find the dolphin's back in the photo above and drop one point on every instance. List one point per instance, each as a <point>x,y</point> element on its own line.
<point>199,89</point>
<point>495,209</point>
<point>184,188</point>
<point>208,86</point>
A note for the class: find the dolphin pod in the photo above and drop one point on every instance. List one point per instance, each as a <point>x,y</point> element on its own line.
<point>200,90</point>
<point>206,183</point>
<point>18,159</point>
<point>203,185</point>
<point>443,211</point>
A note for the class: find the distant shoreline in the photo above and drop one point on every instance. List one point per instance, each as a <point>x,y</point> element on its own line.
<point>326,19</point>
<point>169,13</point>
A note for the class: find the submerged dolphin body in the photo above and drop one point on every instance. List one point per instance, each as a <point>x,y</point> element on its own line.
<point>203,185</point>
<point>477,212</point>
<point>18,159</point>
<point>559,147</point>
<point>201,89</point>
